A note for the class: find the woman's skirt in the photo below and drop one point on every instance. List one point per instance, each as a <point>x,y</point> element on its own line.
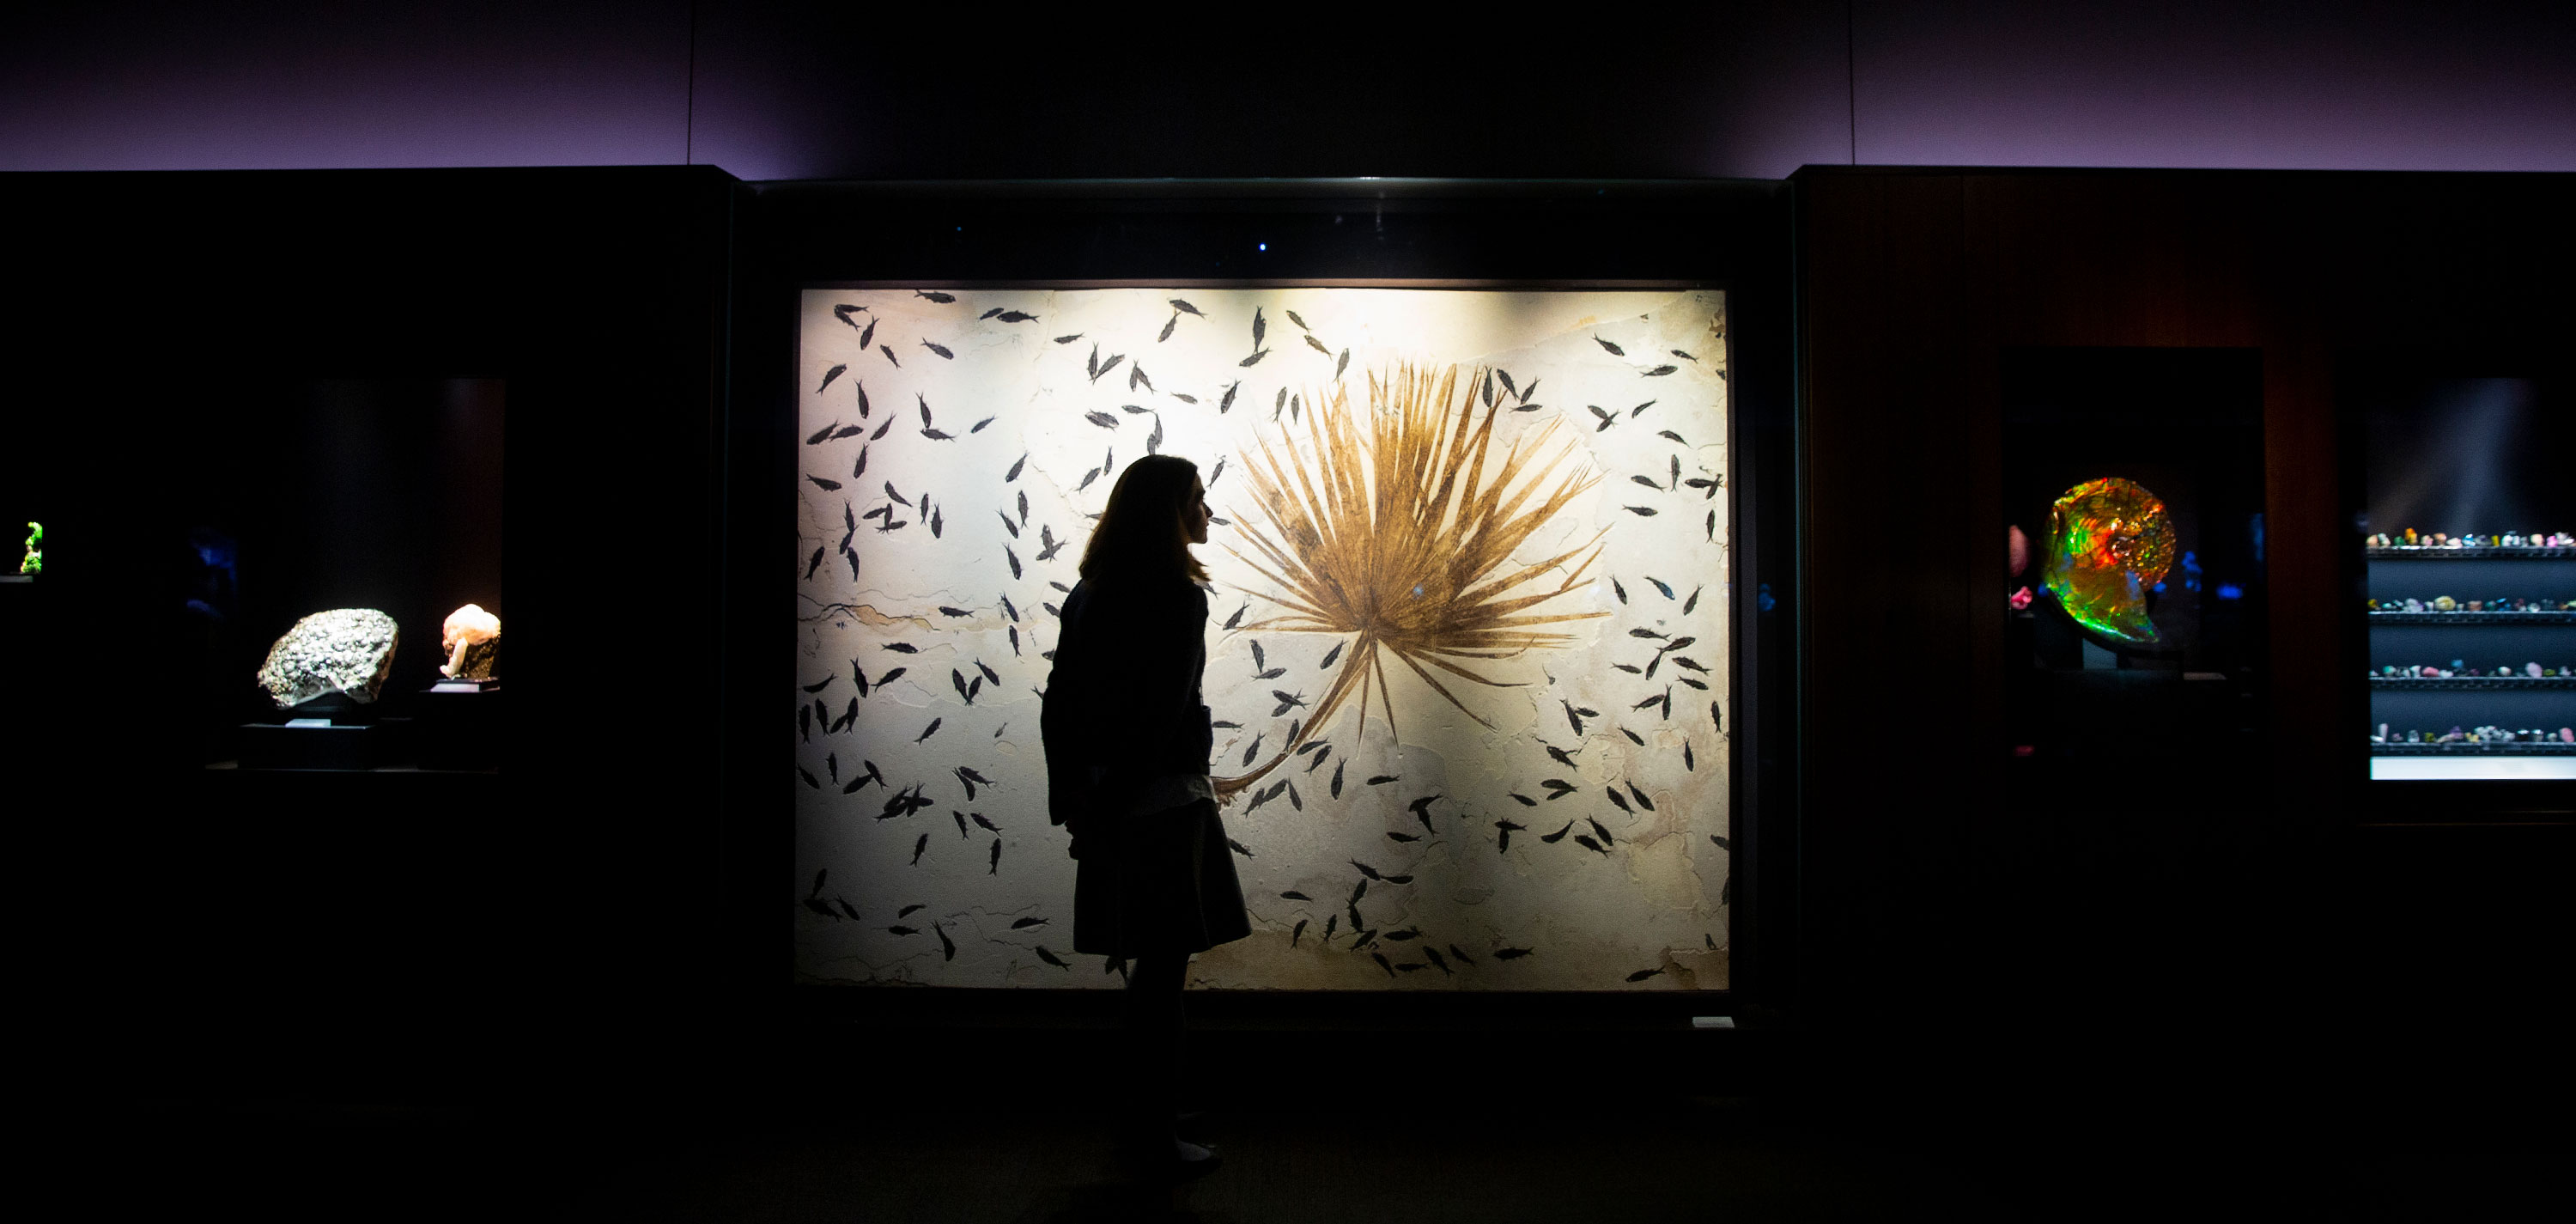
<point>1159,883</point>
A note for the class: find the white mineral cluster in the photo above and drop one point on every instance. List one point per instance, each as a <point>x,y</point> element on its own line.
<point>345,650</point>
<point>470,636</point>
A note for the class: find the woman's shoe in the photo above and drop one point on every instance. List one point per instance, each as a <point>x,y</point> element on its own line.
<point>1166,1156</point>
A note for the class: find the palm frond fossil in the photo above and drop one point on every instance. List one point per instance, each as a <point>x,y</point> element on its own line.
<point>1398,536</point>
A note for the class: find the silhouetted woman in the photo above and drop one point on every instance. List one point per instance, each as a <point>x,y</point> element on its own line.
<point>1127,745</point>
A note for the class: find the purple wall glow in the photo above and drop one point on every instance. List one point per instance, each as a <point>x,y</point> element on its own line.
<point>2189,83</point>
<point>270,85</point>
<point>777,90</point>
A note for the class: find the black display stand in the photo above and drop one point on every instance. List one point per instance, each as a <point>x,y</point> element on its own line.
<point>459,725</point>
<point>328,732</point>
<point>309,745</point>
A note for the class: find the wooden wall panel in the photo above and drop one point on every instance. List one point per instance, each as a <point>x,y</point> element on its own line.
<point>1920,888</point>
<point>1888,639</point>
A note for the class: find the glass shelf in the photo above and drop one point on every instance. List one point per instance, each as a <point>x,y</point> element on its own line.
<point>2469,554</point>
<point>2470,684</point>
<point>2517,748</point>
<point>2471,620</point>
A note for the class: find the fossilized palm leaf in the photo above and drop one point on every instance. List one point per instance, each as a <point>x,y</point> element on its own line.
<point>1399,532</point>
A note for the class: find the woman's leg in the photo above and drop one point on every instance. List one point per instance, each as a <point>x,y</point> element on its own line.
<point>1155,1028</point>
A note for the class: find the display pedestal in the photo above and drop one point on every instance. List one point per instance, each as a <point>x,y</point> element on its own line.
<point>460,725</point>
<point>332,731</point>
<point>316,743</point>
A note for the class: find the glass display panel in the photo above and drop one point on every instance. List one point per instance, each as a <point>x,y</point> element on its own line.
<point>1523,786</point>
<point>2471,591</point>
<point>2133,493</point>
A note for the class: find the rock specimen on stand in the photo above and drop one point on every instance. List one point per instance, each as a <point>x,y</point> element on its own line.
<point>345,650</point>
<point>472,639</point>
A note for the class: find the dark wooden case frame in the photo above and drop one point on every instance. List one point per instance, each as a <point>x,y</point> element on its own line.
<point>1432,234</point>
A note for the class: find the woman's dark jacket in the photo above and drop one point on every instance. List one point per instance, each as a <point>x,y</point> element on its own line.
<point>1123,702</point>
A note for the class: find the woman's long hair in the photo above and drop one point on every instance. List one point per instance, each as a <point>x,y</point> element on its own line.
<point>1140,534</point>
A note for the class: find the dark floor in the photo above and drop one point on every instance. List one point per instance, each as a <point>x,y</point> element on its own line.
<point>1402,1148</point>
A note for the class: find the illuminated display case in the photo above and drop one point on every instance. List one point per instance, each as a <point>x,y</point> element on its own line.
<point>2468,547</point>
<point>2136,667</point>
<point>1577,814</point>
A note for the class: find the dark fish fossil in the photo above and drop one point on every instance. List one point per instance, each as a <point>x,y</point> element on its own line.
<point>830,374</point>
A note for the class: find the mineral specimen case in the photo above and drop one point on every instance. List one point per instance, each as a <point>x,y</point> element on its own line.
<point>2136,670</point>
<point>2468,550</point>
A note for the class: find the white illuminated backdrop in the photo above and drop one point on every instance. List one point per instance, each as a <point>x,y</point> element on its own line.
<point>1552,815</point>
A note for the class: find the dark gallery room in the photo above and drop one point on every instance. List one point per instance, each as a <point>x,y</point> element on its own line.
<point>1784,612</point>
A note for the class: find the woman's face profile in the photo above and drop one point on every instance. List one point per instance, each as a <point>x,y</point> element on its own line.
<point>1194,513</point>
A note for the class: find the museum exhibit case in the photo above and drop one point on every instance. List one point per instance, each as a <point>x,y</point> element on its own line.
<point>318,600</point>
<point>2133,487</point>
<point>2468,556</point>
<point>1476,653</point>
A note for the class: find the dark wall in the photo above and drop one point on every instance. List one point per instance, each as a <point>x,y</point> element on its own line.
<point>316,366</point>
<point>2098,949</point>
<point>781,89</point>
